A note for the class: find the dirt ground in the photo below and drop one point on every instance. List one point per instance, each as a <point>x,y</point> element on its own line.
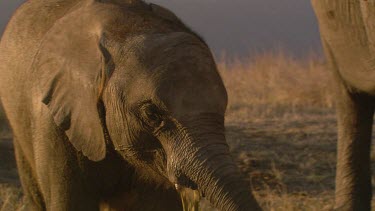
<point>289,159</point>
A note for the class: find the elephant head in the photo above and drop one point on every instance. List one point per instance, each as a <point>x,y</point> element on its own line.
<point>154,96</point>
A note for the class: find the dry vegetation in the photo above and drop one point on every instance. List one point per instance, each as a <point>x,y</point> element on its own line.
<point>280,126</point>
<point>274,84</point>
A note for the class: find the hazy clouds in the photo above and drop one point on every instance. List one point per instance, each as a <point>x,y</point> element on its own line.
<point>239,26</point>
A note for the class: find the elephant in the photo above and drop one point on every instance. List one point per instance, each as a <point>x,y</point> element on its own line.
<point>348,36</point>
<point>115,105</point>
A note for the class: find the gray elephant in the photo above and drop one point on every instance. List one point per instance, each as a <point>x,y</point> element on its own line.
<point>348,36</point>
<point>115,104</point>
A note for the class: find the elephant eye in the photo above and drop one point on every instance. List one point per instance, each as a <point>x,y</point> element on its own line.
<point>152,115</point>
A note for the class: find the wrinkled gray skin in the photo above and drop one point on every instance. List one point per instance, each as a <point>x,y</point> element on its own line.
<point>111,103</point>
<point>348,35</point>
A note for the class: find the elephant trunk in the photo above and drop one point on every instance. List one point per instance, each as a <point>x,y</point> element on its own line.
<point>209,165</point>
<point>218,178</point>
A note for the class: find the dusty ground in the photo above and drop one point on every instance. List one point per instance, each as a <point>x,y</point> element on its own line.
<point>290,159</point>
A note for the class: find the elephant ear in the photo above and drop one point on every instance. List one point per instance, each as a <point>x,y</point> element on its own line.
<point>72,65</point>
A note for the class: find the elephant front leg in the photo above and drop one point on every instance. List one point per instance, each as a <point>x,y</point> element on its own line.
<point>353,174</point>
<point>63,187</point>
<point>61,181</point>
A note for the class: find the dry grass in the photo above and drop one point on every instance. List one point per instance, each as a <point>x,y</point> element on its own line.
<point>282,158</point>
<point>10,198</point>
<point>273,84</point>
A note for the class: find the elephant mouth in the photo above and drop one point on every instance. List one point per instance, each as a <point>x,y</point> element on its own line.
<point>190,199</point>
<point>190,196</point>
<point>184,182</point>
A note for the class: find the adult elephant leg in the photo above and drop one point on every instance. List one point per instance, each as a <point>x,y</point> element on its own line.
<point>353,176</point>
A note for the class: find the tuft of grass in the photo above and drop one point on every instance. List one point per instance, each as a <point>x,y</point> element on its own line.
<point>10,198</point>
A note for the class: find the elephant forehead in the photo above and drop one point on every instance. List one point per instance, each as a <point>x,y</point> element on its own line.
<point>193,85</point>
<point>193,95</point>
<point>176,69</point>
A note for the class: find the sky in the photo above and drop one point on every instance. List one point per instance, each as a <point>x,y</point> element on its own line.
<point>238,28</point>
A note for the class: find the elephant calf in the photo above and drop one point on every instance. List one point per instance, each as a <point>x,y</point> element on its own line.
<point>114,103</point>
<point>348,36</point>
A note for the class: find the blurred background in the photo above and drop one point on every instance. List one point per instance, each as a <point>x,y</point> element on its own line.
<point>238,28</point>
